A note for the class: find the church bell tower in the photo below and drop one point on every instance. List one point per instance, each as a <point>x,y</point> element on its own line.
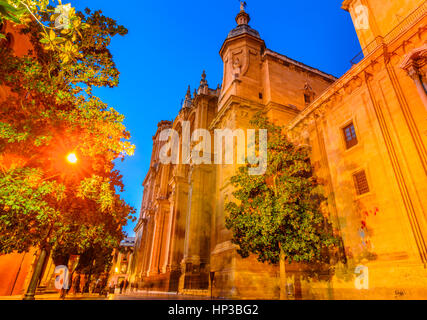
<point>241,53</point>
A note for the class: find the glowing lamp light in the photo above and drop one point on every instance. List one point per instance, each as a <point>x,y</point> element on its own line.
<point>72,158</point>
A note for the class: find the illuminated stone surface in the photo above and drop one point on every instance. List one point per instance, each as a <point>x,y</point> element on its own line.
<point>181,234</point>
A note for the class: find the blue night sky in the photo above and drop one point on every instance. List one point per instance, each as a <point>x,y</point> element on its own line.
<point>170,43</point>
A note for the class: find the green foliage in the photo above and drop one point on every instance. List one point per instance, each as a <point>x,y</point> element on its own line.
<point>62,38</point>
<point>8,11</point>
<point>281,208</point>
<point>25,212</point>
<point>49,112</point>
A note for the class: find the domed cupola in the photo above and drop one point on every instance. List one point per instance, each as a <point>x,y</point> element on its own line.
<point>243,27</point>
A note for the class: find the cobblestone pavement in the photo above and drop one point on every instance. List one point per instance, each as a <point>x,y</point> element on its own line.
<point>142,295</point>
<point>55,296</point>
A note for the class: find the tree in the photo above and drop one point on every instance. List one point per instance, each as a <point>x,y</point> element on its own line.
<point>51,111</point>
<point>278,216</point>
<point>60,26</point>
<point>97,260</point>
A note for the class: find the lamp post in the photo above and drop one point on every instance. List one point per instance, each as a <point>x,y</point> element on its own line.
<point>31,291</point>
<point>32,287</point>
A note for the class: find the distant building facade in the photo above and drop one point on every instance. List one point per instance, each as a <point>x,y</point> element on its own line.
<point>367,131</point>
<point>14,268</point>
<point>122,261</point>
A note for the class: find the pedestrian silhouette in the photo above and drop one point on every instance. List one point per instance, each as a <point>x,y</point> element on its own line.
<point>126,285</point>
<point>122,283</point>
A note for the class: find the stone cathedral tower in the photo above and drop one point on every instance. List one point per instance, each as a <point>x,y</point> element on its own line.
<point>255,78</point>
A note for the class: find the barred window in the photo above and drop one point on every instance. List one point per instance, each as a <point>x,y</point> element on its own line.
<point>350,136</point>
<point>361,182</point>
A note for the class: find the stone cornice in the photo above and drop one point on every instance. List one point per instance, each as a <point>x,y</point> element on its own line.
<point>231,101</point>
<point>415,57</point>
<point>280,107</point>
<point>164,124</point>
<point>213,94</point>
<point>242,36</point>
<point>346,4</point>
<point>301,65</point>
<point>364,67</point>
<point>340,84</point>
<point>224,246</point>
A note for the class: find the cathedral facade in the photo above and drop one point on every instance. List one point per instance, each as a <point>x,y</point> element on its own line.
<point>367,132</point>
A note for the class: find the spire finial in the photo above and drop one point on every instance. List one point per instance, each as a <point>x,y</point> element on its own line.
<point>188,95</point>
<point>242,18</point>
<point>187,101</point>
<point>203,88</point>
<point>203,82</point>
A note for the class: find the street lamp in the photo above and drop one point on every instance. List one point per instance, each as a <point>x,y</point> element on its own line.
<point>72,158</point>
<point>31,291</point>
